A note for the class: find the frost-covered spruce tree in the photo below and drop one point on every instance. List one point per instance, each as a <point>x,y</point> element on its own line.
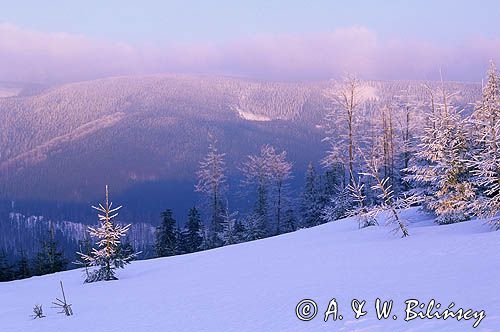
<point>289,221</point>
<point>106,257</point>
<point>256,172</point>
<point>485,156</point>
<point>280,171</point>
<point>205,243</point>
<point>229,231</point>
<point>166,237</point>
<point>180,241</point>
<point>338,207</point>
<point>310,204</point>
<point>255,227</point>
<point>268,171</point>
<point>332,185</point>
<point>211,180</point>
<point>239,231</point>
<point>440,171</point>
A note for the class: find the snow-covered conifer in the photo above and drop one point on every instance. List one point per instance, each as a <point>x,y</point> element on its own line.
<point>280,171</point>
<point>257,174</point>
<point>485,156</point>
<point>289,221</point>
<point>211,180</point>
<point>205,242</point>
<point>255,227</point>
<point>105,257</point>
<point>229,232</point>
<point>268,171</point>
<point>180,241</point>
<point>440,173</point>
<point>338,207</point>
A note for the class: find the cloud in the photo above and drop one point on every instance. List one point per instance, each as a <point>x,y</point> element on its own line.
<point>27,55</point>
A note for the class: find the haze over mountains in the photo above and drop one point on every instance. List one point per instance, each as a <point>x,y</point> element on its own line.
<point>144,136</point>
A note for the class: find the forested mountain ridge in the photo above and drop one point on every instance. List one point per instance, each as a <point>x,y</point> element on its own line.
<point>63,143</point>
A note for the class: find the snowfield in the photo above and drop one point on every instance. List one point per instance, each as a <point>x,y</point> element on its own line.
<point>252,116</point>
<point>256,286</point>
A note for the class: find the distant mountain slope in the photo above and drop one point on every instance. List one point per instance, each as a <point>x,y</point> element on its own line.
<point>256,286</point>
<point>25,234</point>
<point>65,142</point>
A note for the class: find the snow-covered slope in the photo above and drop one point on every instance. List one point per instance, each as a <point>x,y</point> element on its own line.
<point>256,286</point>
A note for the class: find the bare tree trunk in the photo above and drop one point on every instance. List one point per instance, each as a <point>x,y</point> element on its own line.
<point>392,166</point>
<point>278,210</point>
<point>351,143</point>
<point>406,139</point>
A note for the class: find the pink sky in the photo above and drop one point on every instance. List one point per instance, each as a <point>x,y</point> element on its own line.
<point>28,55</point>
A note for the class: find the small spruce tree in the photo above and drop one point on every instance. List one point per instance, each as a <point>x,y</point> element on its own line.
<point>106,258</point>
<point>50,259</point>
<point>165,244</point>
<point>228,234</point>
<point>193,232</point>
<point>310,205</point>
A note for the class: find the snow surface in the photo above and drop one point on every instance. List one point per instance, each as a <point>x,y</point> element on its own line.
<point>255,286</point>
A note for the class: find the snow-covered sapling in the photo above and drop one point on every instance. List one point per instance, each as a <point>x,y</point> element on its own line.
<point>365,216</point>
<point>108,256</point>
<point>338,206</point>
<point>389,203</point>
<point>228,234</point>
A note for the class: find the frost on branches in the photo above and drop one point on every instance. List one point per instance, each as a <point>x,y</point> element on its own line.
<point>440,171</point>
<point>107,257</point>
<point>342,122</point>
<point>485,159</point>
<point>211,181</point>
<point>232,231</point>
<point>269,172</point>
<point>365,216</point>
<point>280,170</point>
<point>256,174</point>
<point>389,204</point>
<point>338,206</point>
